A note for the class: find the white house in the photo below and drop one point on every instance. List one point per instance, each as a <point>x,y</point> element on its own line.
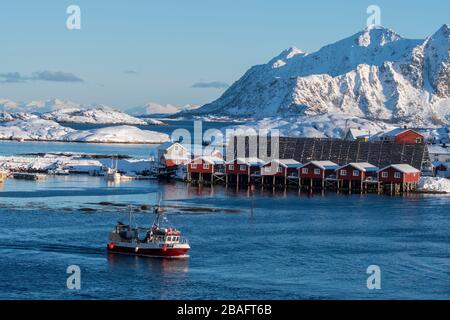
<point>172,154</point>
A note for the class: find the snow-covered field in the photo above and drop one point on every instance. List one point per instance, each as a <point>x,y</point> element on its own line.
<point>46,130</point>
<point>431,184</point>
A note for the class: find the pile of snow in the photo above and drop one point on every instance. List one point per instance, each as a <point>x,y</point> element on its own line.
<point>47,130</point>
<point>434,184</point>
<point>331,125</point>
<point>375,74</point>
<point>8,116</point>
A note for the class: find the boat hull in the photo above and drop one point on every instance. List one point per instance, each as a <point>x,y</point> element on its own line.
<point>148,252</point>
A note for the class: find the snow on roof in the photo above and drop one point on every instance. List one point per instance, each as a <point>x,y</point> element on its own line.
<point>288,163</point>
<point>252,161</point>
<point>358,133</point>
<point>438,149</point>
<point>405,168</point>
<point>324,165</point>
<point>395,132</point>
<point>209,159</point>
<point>362,166</point>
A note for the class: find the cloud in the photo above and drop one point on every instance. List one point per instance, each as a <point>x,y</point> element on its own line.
<point>58,76</point>
<point>130,72</point>
<point>12,77</point>
<point>212,84</point>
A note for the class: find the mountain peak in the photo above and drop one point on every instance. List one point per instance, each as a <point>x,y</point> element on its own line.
<point>376,36</point>
<point>281,59</point>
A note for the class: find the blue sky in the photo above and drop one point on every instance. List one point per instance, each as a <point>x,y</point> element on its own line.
<point>128,53</point>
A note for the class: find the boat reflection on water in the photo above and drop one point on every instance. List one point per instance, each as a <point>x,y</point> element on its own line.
<point>163,267</point>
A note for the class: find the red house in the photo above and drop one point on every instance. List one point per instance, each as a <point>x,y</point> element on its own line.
<point>281,168</point>
<point>399,174</point>
<point>244,166</point>
<point>315,171</point>
<point>356,171</point>
<point>205,167</point>
<point>400,135</point>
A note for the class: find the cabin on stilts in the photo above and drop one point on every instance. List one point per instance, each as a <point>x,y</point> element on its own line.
<point>280,172</point>
<point>398,178</point>
<point>206,169</point>
<point>359,176</point>
<point>243,171</point>
<point>314,174</point>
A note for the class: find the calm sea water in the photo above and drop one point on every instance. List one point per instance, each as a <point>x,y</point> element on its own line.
<point>289,246</point>
<point>137,151</point>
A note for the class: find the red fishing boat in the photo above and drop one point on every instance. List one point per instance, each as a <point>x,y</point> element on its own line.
<point>157,241</point>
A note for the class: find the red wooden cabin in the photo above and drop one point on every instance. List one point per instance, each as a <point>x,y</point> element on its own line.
<point>281,168</point>
<point>205,164</point>
<point>356,171</point>
<point>317,170</point>
<point>244,166</point>
<point>400,135</point>
<point>399,173</point>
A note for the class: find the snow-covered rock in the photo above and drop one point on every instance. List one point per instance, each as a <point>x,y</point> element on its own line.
<point>432,184</point>
<point>46,130</point>
<point>375,74</point>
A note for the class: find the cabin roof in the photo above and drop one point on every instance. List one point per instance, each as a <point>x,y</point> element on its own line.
<point>324,165</point>
<point>209,159</point>
<point>362,166</point>
<point>404,168</point>
<point>286,163</point>
<point>252,161</point>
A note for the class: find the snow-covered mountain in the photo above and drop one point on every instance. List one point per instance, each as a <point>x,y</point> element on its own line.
<point>37,129</point>
<point>156,109</point>
<point>374,74</point>
<point>68,112</point>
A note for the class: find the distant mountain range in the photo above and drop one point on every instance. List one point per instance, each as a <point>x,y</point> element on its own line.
<point>374,74</point>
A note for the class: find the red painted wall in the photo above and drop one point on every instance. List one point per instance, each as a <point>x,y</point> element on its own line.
<point>349,176</point>
<point>409,137</point>
<point>404,177</point>
<point>200,168</point>
<point>311,174</point>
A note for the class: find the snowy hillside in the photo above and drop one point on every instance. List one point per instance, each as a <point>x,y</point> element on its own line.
<point>69,112</point>
<point>375,74</point>
<point>156,109</point>
<point>37,129</point>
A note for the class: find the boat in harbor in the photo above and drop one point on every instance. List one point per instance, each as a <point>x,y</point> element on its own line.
<point>156,241</point>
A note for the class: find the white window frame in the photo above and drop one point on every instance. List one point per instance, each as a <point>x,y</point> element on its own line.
<point>316,171</point>
<point>243,167</point>
<point>193,166</point>
<point>356,173</point>
<point>397,175</point>
<point>343,172</point>
<point>385,174</point>
<point>305,170</point>
<point>206,166</point>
